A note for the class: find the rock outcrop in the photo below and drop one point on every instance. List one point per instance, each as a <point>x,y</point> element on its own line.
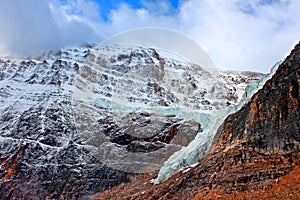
<point>252,149</point>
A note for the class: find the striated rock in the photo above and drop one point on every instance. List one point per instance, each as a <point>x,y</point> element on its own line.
<point>252,149</point>
<point>44,160</point>
<point>145,132</point>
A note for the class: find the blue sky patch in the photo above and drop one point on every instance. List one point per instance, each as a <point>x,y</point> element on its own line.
<point>106,6</point>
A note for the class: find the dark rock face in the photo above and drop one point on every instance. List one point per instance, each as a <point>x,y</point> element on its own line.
<point>146,132</point>
<point>251,150</point>
<point>50,163</point>
<point>41,152</point>
<point>140,142</point>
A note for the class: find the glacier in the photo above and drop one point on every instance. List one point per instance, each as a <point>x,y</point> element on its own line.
<point>132,73</point>
<point>187,157</point>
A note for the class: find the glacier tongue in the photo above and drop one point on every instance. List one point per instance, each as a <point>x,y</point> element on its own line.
<point>190,155</point>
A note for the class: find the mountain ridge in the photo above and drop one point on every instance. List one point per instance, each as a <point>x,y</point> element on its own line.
<point>64,135</point>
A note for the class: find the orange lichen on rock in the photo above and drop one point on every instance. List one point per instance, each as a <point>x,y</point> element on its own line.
<point>10,164</point>
<point>288,187</point>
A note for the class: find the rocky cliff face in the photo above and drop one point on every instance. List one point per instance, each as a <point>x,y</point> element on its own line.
<point>252,149</point>
<point>63,133</point>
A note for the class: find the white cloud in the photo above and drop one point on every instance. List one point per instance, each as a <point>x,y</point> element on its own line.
<point>237,34</point>
<point>32,26</point>
<point>125,17</point>
<point>239,40</point>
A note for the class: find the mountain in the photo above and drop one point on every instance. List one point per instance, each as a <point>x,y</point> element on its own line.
<point>256,150</point>
<point>75,122</point>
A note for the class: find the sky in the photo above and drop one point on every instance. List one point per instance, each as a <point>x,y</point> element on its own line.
<point>239,35</point>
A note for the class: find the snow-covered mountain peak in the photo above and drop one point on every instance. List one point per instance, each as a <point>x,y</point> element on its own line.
<point>132,73</point>
<point>166,40</point>
<point>119,106</point>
